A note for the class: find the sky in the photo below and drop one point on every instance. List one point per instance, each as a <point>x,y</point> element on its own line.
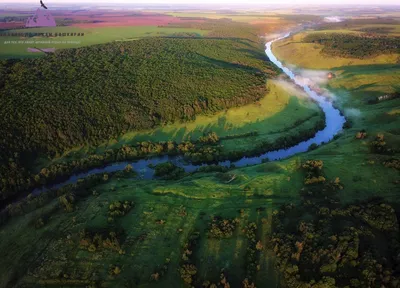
<point>221,2</point>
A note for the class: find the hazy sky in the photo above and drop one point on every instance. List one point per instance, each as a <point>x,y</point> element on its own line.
<point>221,2</point>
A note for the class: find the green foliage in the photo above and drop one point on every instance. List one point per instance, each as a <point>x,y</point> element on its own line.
<point>312,147</point>
<point>223,28</point>
<point>114,270</point>
<point>354,46</point>
<point>392,163</point>
<point>353,246</point>
<point>119,209</point>
<point>211,138</point>
<point>222,228</point>
<point>380,146</point>
<point>168,171</point>
<point>39,222</point>
<point>188,271</point>
<point>96,240</point>
<point>313,169</point>
<point>252,251</point>
<point>67,201</point>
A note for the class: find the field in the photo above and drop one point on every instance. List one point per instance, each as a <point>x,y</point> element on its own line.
<point>109,26</point>
<point>245,17</point>
<point>148,243</point>
<point>308,55</point>
<point>357,86</point>
<point>91,36</point>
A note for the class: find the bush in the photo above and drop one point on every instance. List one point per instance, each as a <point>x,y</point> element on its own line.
<point>168,171</point>
<point>222,228</point>
<point>188,271</point>
<point>119,209</point>
<point>67,201</point>
<point>312,147</point>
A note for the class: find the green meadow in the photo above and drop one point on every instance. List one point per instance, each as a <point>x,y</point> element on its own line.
<point>240,17</point>
<point>357,85</point>
<point>164,215</point>
<point>91,36</point>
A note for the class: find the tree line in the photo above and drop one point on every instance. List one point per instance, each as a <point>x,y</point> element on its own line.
<point>354,46</point>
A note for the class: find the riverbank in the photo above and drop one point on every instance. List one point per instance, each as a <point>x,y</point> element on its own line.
<point>356,91</point>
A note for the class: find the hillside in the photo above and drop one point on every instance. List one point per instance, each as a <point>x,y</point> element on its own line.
<point>88,95</point>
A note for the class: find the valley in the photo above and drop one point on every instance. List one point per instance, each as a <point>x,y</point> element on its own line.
<point>194,160</point>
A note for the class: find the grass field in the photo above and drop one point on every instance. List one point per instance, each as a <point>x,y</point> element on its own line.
<point>308,55</point>
<point>166,214</point>
<point>351,159</point>
<point>148,244</point>
<point>91,36</point>
<point>240,17</point>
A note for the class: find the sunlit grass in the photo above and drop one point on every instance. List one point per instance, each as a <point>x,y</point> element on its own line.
<point>308,55</point>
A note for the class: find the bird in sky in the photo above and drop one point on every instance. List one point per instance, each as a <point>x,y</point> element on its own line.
<point>41,4</point>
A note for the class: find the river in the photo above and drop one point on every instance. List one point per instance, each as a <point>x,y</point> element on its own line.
<point>334,124</point>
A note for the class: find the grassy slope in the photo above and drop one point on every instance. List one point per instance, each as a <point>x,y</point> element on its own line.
<point>363,83</point>
<point>92,36</point>
<point>271,117</point>
<point>308,55</point>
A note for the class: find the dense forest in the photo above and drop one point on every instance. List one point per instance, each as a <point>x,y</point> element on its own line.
<point>88,95</point>
<point>223,28</point>
<point>354,46</point>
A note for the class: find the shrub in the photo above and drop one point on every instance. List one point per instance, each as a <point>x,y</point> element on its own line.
<point>222,228</point>
<point>211,138</point>
<point>312,147</point>
<point>188,271</point>
<point>114,270</point>
<point>119,209</point>
<point>67,201</point>
<point>168,171</point>
<point>392,163</point>
<point>95,241</point>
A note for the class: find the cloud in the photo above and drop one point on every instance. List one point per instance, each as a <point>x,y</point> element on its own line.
<point>352,112</point>
<point>333,19</point>
<point>291,88</point>
<point>311,77</point>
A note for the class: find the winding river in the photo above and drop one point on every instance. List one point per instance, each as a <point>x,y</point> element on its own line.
<point>334,124</point>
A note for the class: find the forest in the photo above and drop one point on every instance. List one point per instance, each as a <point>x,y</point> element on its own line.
<point>323,243</point>
<point>223,28</point>
<point>88,95</point>
<point>354,46</point>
